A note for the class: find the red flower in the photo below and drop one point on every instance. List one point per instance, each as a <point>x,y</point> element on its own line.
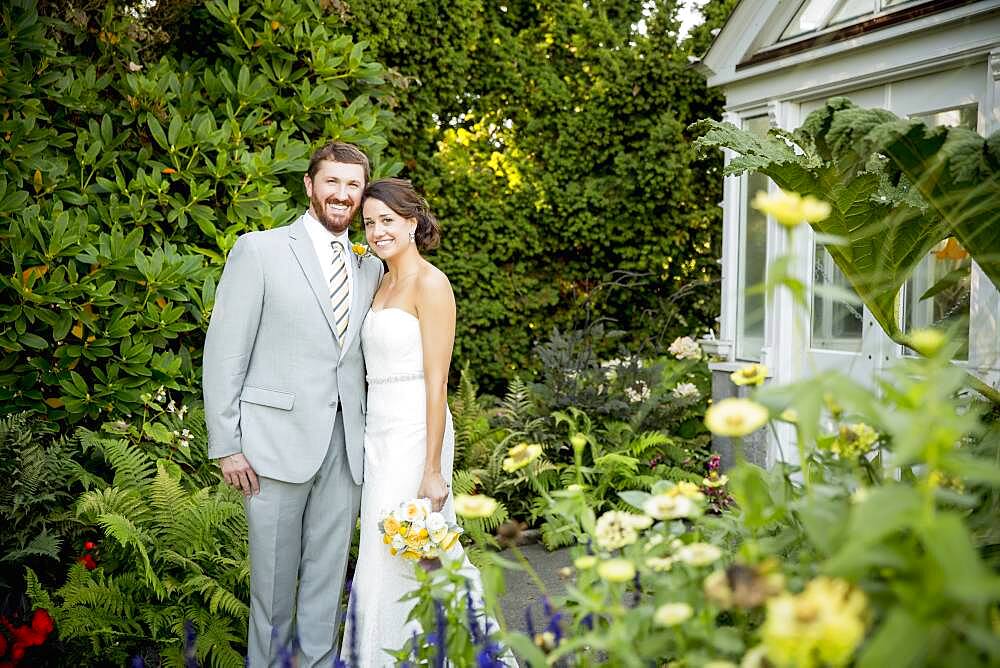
<point>17,652</point>
<point>41,621</point>
<point>88,562</point>
<point>90,545</point>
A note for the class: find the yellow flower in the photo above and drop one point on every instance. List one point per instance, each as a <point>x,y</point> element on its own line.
<point>752,374</point>
<point>585,562</point>
<point>735,417</point>
<point>672,614</point>
<point>791,209</point>
<point>390,525</point>
<point>715,480</point>
<point>616,570</point>
<point>854,440</point>
<point>412,555</point>
<point>688,489</point>
<point>450,540</point>
<point>475,506</point>
<point>824,624</point>
<point>359,249</point>
<point>520,456</point>
<point>926,341</point>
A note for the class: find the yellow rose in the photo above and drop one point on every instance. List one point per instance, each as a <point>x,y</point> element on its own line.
<point>412,555</point>
<point>387,539</point>
<point>735,417</point>
<point>390,525</point>
<point>475,506</point>
<point>359,249</point>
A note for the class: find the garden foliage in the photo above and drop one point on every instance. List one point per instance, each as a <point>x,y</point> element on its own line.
<point>131,165</point>
<point>550,137</point>
<point>896,188</point>
<point>879,547</point>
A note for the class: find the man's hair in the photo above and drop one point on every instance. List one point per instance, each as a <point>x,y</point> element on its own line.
<point>338,151</point>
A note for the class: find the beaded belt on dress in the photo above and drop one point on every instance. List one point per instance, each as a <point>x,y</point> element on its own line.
<point>396,378</point>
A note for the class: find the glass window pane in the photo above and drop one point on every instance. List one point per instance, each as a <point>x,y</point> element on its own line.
<point>812,16</point>
<point>835,325</point>
<point>753,261</point>
<point>852,9</point>
<point>946,268</point>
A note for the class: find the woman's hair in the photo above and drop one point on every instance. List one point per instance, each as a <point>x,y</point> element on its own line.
<point>400,196</point>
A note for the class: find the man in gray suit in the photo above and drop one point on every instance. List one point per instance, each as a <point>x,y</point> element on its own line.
<point>284,385</point>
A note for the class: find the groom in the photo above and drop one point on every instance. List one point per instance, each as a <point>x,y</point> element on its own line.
<point>284,392</point>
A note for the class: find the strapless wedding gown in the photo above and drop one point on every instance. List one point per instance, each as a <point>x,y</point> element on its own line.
<point>395,452</point>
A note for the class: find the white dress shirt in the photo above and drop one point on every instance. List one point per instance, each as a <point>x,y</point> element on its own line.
<point>321,238</point>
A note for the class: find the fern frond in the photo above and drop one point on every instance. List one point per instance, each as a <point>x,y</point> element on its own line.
<point>128,535</point>
<point>131,464</point>
<point>647,440</point>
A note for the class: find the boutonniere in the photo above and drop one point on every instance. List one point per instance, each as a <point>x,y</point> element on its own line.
<point>361,251</point>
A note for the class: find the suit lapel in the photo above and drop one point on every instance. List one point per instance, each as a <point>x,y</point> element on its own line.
<point>305,254</point>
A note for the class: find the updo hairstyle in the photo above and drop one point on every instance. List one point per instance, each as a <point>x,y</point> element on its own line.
<point>400,196</point>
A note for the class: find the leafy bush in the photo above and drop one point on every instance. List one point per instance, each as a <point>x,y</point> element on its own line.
<point>129,170</point>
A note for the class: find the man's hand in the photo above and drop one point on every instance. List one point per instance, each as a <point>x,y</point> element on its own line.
<point>236,471</point>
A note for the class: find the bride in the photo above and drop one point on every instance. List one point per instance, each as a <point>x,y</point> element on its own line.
<point>407,340</point>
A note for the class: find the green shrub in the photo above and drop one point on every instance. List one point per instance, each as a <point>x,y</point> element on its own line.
<point>129,170</point>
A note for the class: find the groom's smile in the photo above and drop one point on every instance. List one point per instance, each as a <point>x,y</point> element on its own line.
<point>335,193</point>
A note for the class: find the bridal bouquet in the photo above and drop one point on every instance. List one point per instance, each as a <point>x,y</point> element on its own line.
<point>414,532</point>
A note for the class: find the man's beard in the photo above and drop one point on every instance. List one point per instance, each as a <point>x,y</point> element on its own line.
<point>336,225</point>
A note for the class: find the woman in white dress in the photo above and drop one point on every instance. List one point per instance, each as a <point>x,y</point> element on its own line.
<point>407,340</point>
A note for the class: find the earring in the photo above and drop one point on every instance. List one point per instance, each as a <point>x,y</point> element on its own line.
<point>413,236</point>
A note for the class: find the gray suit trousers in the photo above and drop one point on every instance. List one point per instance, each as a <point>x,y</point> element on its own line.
<point>301,533</point>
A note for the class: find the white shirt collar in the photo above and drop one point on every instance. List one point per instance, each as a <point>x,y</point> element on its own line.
<point>320,234</point>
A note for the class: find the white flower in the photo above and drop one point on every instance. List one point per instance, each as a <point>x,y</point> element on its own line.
<point>616,529</point>
<point>672,614</point>
<point>435,522</point>
<point>670,506</point>
<point>684,347</point>
<point>398,542</point>
<point>659,564</point>
<point>698,554</point>
<point>685,391</point>
<point>638,392</point>
<point>183,410</point>
<point>171,407</point>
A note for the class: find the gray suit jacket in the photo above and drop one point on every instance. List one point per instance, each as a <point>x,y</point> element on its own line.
<point>273,372</point>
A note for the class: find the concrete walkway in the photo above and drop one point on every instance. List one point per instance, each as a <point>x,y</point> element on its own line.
<point>522,590</point>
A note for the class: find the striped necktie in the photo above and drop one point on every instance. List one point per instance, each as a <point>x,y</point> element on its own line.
<point>340,292</point>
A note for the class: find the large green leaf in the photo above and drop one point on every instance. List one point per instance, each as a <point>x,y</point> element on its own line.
<point>863,161</point>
